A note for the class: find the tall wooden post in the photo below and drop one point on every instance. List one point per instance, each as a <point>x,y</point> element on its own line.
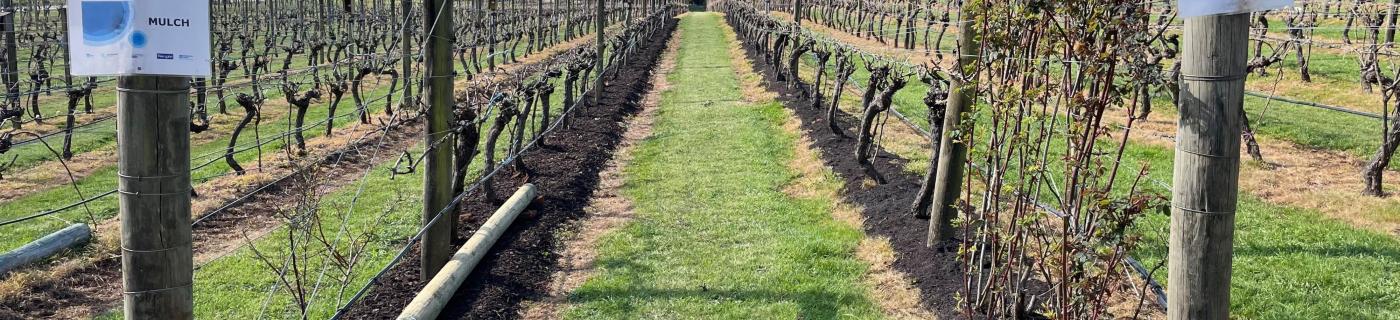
<point>797,12</point>
<point>406,46</point>
<point>10,68</point>
<point>437,180</point>
<point>952,152</point>
<point>1206,177</point>
<point>153,169</point>
<point>602,47</point>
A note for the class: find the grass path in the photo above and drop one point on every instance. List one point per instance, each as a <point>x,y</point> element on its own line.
<point>714,234</point>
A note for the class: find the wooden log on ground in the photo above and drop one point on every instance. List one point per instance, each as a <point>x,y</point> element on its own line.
<point>72,236</point>
<point>435,295</point>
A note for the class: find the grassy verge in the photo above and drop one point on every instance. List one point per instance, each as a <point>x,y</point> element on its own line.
<point>715,237</point>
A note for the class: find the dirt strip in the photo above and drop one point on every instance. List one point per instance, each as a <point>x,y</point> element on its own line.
<point>566,171</point>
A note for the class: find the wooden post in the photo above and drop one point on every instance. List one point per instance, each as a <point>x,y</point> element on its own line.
<point>952,152</point>
<point>1206,177</point>
<point>406,46</point>
<point>153,168</point>
<point>602,46</point>
<point>437,172</point>
<point>797,6</point>
<point>11,66</point>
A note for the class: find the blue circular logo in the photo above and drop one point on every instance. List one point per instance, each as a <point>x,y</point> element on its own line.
<point>138,39</point>
<point>104,22</point>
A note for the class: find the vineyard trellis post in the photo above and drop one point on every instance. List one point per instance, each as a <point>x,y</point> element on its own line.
<point>11,65</point>
<point>601,47</point>
<point>406,46</point>
<point>1206,173</point>
<point>952,152</point>
<point>153,165</point>
<point>437,180</point>
<point>797,12</point>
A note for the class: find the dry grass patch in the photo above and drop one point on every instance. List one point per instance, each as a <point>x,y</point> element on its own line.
<point>750,82</point>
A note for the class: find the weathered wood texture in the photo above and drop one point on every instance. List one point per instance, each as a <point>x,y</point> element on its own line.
<point>437,183</point>
<point>153,148</point>
<point>406,49</point>
<point>429,302</point>
<point>72,236</point>
<point>1206,176</point>
<point>952,153</point>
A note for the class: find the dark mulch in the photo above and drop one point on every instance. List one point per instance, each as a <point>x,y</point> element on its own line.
<point>936,271</point>
<point>565,172</point>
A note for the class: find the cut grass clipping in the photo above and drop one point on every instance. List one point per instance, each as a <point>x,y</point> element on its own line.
<point>715,236</point>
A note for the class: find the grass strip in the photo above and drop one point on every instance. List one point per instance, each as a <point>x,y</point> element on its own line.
<point>715,237</point>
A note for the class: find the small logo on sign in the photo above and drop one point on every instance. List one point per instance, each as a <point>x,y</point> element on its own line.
<point>165,56</point>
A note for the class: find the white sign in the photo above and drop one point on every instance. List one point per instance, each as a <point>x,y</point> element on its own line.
<point>1197,8</point>
<point>131,37</point>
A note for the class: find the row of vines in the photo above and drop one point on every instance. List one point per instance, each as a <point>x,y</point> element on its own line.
<point>314,72</point>
<point>1048,209</point>
<point>1048,206</point>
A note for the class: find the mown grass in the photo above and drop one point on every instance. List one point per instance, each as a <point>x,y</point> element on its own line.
<point>381,208</point>
<point>714,237</point>
<point>1289,263</point>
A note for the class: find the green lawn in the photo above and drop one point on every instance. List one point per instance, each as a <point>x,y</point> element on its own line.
<point>378,209</point>
<point>386,212</point>
<point>714,237</point>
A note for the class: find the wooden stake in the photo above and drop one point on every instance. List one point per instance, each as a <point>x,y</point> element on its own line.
<point>602,46</point>
<point>153,167</point>
<point>437,173</point>
<point>406,48</point>
<point>1206,177</point>
<point>952,151</point>
<point>9,71</point>
<point>797,12</point>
